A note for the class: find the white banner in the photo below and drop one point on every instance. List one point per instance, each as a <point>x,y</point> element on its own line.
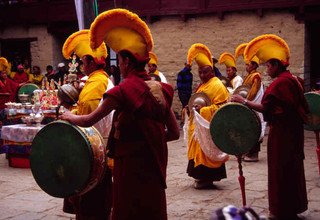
<point>79,10</point>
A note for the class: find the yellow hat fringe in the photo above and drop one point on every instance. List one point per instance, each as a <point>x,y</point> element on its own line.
<point>71,45</point>
<point>258,46</point>
<point>3,64</point>
<point>239,50</point>
<point>227,59</point>
<point>117,18</point>
<point>197,49</point>
<point>153,58</point>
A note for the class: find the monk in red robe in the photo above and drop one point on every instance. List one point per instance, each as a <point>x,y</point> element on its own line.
<point>143,120</point>
<point>284,107</point>
<point>8,89</point>
<point>21,76</point>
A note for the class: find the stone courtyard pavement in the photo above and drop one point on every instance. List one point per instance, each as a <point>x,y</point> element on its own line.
<point>22,199</point>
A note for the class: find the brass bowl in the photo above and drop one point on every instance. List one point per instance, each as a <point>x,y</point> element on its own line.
<point>68,94</point>
<point>23,98</point>
<point>199,98</point>
<point>242,90</point>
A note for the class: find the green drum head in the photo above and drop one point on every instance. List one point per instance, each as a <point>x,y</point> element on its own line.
<point>61,159</point>
<point>235,129</point>
<point>313,100</point>
<point>27,89</point>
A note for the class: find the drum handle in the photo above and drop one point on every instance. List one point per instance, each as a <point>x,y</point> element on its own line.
<point>57,111</point>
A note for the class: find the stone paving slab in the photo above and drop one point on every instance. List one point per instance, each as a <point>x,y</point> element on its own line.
<point>22,199</point>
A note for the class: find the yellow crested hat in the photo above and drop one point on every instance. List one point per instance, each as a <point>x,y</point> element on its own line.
<point>153,58</point>
<point>122,30</point>
<point>240,51</point>
<point>266,47</point>
<point>227,59</point>
<point>3,64</point>
<point>79,44</point>
<point>201,54</point>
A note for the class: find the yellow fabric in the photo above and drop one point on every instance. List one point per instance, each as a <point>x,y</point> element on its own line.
<point>92,92</point>
<point>227,59</point>
<point>253,80</point>
<point>36,79</point>
<point>12,74</point>
<point>255,59</point>
<point>239,50</point>
<point>3,64</point>
<point>266,47</point>
<point>219,95</point>
<point>122,30</point>
<point>153,58</point>
<point>27,70</point>
<point>201,54</point>
<point>79,44</point>
<point>156,72</point>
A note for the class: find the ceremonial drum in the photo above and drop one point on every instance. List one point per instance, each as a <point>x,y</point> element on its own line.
<point>26,89</point>
<point>235,129</point>
<point>313,100</point>
<point>66,159</point>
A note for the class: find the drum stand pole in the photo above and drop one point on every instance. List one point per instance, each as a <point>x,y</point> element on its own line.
<point>318,148</point>
<point>241,180</point>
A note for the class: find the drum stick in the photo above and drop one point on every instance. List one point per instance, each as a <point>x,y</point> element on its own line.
<point>318,148</point>
<point>242,181</point>
<point>57,111</point>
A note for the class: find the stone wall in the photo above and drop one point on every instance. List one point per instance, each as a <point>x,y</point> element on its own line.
<point>46,50</point>
<point>173,37</point>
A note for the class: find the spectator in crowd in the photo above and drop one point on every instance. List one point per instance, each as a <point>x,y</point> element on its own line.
<point>50,73</point>
<point>20,76</point>
<point>36,76</point>
<point>8,88</point>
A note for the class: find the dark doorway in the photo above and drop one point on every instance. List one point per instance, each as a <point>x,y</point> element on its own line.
<point>16,51</point>
<point>314,34</point>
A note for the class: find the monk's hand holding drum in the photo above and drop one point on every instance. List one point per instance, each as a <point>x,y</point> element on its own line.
<point>67,116</point>
<point>197,107</point>
<point>237,98</point>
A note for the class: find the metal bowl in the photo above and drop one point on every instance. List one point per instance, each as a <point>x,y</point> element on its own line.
<point>23,98</point>
<point>242,90</point>
<point>68,94</point>
<point>199,99</point>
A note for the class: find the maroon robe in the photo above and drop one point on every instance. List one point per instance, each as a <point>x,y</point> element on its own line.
<point>21,77</point>
<point>10,87</point>
<point>285,110</point>
<point>139,150</point>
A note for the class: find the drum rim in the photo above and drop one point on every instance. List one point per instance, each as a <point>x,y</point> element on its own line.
<point>28,84</point>
<point>242,106</point>
<point>89,147</point>
<point>309,127</point>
